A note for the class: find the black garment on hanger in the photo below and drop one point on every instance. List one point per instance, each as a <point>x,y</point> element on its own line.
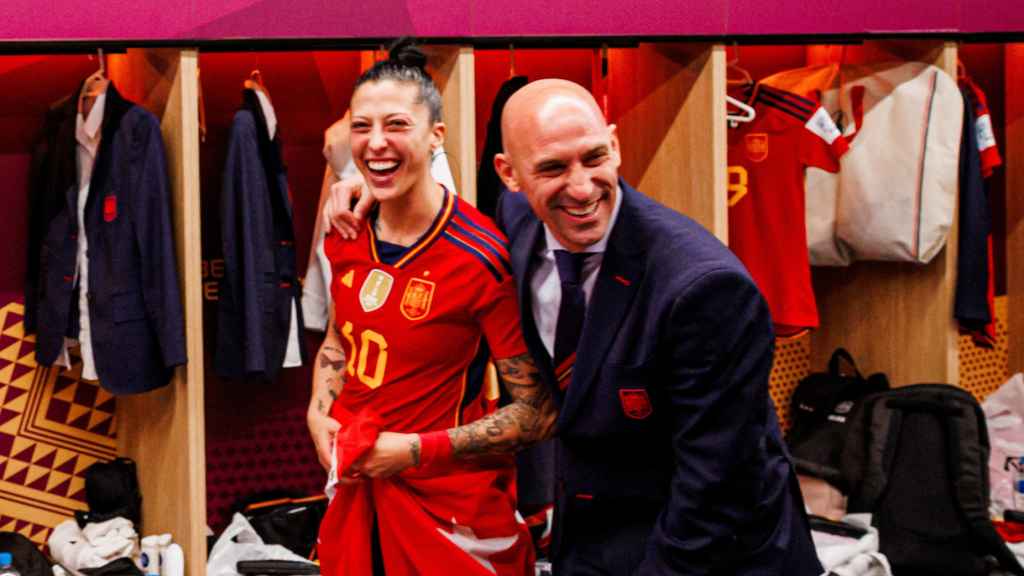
<point>971,301</point>
<point>488,185</point>
<point>136,318</point>
<point>260,286</point>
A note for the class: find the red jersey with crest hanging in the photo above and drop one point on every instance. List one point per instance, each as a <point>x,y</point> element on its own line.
<point>411,329</point>
<point>767,230</point>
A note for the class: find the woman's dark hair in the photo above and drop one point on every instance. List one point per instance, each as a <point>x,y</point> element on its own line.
<point>407,63</point>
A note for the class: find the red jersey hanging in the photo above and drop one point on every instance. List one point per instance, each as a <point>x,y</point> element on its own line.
<point>767,230</point>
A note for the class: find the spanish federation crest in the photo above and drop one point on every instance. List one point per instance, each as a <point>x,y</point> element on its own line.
<point>375,290</point>
<point>419,293</point>
<point>636,404</point>
<point>757,146</point>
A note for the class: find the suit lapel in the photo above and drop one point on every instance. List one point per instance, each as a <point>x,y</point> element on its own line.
<point>523,248</point>
<point>113,110</point>
<point>621,273</point>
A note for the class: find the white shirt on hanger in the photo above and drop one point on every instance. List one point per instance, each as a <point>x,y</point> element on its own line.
<point>88,134</point>
<point>292,355</point>
<point>546,286</point>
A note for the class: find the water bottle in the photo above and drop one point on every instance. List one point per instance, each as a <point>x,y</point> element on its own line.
<point>7,565</point>
<point>1018,485</point>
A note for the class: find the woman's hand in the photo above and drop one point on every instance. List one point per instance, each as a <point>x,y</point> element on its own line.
<point>322,429</point>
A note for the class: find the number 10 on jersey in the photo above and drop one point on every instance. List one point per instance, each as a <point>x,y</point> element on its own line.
<point>359,354</point>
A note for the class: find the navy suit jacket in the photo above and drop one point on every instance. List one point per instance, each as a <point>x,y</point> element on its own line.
<point>668,409</point>
<point>260,285</point>
<point>135,312</point>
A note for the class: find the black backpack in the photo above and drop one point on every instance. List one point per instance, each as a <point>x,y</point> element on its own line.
<point>27,559</point>
<point>820,409</point>
<point>112,490</point>
<point>916,457</point>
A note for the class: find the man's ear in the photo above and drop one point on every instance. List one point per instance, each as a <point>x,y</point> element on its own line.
<point>506,172</point>
<point>613,135</point>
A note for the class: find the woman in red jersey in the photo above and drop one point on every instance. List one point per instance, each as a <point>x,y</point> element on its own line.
<point>423,290</point>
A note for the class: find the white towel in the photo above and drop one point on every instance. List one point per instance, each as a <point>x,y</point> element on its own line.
<point>96,545</point>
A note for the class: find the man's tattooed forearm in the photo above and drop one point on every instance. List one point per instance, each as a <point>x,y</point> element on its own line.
<point>527,420</point>
<point>522,380</point>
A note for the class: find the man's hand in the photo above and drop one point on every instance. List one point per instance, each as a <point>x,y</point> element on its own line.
<point>391,454</point>
<point>339,211</point>
<point>323,429</point>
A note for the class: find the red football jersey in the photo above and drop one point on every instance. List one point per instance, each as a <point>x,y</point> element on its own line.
<point>410,330</point>
<point>767,230</point>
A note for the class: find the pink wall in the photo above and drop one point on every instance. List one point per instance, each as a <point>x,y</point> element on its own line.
<point>46,20</point>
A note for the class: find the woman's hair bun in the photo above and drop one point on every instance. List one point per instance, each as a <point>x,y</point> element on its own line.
<point>405,53</point>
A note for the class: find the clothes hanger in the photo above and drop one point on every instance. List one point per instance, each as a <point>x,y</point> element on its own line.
<point>255,82</point>
<point>748,113</point>
<point>95,85</point>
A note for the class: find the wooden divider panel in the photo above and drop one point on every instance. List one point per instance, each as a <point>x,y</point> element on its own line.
<point>668,102</point>
<point>163,430</point>
<point>1015,203</point>
<point>454,72</point>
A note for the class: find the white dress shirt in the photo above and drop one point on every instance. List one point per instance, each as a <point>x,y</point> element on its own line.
<point>546,286</point>
<point>87,134</point>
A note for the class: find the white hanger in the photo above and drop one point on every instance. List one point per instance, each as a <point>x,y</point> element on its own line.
<point>748,112</point>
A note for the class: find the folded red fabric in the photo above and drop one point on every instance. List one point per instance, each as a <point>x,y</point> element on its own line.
<point>1012,532</point>
<point>357,435</point>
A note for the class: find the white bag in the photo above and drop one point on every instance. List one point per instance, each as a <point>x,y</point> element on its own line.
<point>1004,416</point>
<point>241,542</point>
<point>898,182</point>
<point>895,194</point>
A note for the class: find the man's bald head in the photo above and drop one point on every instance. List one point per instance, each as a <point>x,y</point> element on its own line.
<point>564,157</point>
<point>537,103</point>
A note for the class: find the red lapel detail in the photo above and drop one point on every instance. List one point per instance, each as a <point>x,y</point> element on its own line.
<point>109,208</point>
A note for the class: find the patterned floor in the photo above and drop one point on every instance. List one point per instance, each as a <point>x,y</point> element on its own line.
<point>52,427</point>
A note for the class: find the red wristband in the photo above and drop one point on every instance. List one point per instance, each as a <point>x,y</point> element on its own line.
<point>435,447</point>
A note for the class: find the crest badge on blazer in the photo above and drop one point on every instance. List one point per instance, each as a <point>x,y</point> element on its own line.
<point>636,404</point>
<point>419,293</point>
<point>756,146</point>
<point>375,290</point>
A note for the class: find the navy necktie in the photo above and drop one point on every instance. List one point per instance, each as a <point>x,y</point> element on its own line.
<point>571,313</point>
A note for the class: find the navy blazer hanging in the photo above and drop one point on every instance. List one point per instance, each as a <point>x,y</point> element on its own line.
<point>260,285</point>
<point>135,311</point>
